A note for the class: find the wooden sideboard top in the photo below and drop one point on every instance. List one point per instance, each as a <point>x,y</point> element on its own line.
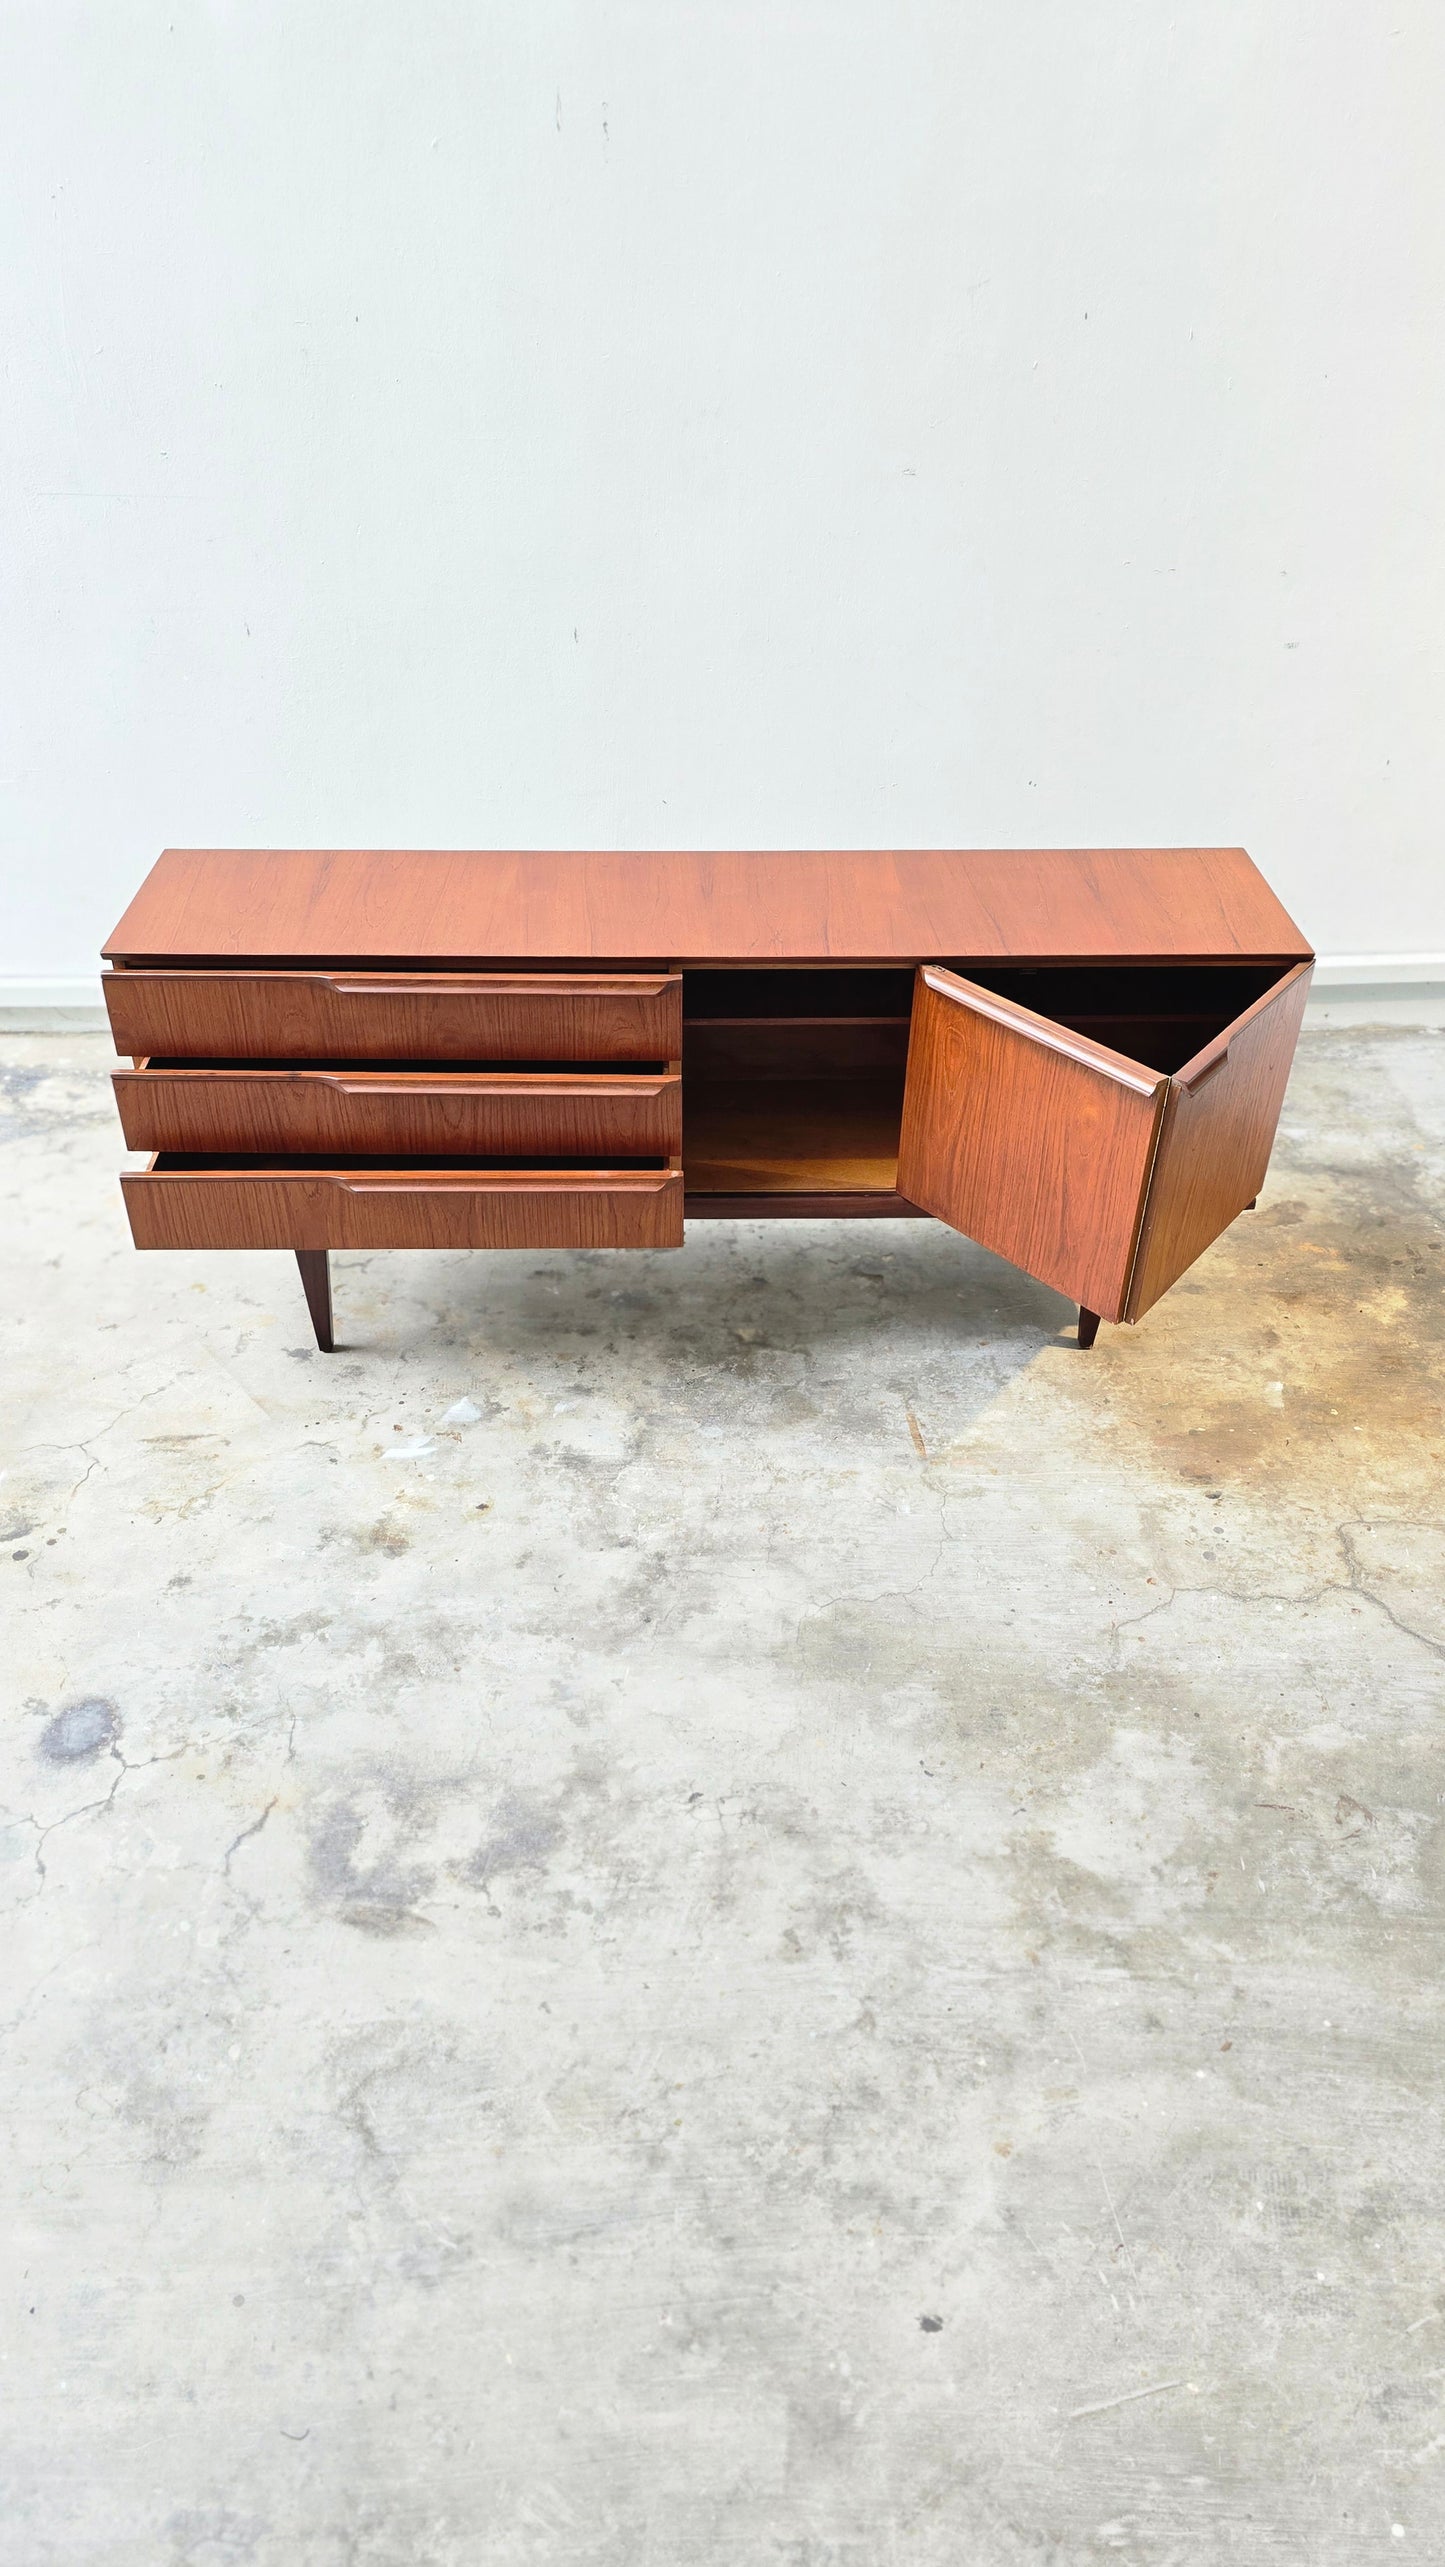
<point>222,904</point>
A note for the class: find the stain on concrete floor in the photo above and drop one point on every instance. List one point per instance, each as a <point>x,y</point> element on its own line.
<point>816,1938</point>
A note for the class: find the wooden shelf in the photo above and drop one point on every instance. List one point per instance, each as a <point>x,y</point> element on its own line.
<point>755,1022</point>
<point>793,1136</point>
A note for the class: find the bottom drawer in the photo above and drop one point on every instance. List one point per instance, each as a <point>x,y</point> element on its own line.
<point>185,1201</point>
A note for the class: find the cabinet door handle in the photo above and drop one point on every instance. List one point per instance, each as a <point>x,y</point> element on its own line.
<point>580,985</point>
<point>1207,1070</point>
<point>419,987</point>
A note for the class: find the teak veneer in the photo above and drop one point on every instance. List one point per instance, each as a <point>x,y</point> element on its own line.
<point>1075,1057</point>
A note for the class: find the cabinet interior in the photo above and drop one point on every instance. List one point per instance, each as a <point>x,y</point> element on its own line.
<point>1159,1014</point>
<point>793,1080</point>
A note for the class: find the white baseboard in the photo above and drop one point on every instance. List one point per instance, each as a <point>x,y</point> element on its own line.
<point>1366,972</point>
<point>45,989</point>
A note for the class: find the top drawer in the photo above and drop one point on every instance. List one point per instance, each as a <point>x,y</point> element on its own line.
<point>397,1016</point>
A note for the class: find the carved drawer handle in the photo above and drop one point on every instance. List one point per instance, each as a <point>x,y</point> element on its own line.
<point>506,1087</point>
<point>381,1085</point>
<point>486,985</point>
<point>544,1180</point>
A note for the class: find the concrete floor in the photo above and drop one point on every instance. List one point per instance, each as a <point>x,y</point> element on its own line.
<point>816,1941</point>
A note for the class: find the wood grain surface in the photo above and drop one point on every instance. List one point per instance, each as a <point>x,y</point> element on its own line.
<point>1030,1139</point>
<point>303,1207</point>
<point>793,1136</point>
<point>1218,1131</point>
<point>492,905</point>
<point>408,1113</point>
<point>386,1016</point>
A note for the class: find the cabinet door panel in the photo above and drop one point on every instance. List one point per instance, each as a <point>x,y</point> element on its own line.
<point>1216,1137</point>
<point>1032,1140</point>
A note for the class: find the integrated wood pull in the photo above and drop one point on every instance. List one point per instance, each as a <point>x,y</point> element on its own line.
<point>506,1085</point>
<point>495,984</point>
<point>1041,1030</point>
<point>378,1084</point>
<point>1192,1079</point>
<point>370,1086</point>
<point>420,986</point>
<point>519,1181</point>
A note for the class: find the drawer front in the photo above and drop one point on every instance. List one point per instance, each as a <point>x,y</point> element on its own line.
<point>280,1207</point>
<point>397,1016</point>
<point>405,1113</point>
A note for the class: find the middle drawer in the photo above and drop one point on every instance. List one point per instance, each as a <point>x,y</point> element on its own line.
<point>407,1110</point>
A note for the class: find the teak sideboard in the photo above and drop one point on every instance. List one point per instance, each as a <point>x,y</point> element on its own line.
<point>1076,1057</point>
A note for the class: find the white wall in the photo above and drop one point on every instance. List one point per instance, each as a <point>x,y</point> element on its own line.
<point>722,422</point>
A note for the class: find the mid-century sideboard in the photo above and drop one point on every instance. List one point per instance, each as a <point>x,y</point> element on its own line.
<point>1076,1057</point>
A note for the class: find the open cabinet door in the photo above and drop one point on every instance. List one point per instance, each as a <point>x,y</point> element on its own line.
<point>1035,1141</point>
<point>1216,1136</point>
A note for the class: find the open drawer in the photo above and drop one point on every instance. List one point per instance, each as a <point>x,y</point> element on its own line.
<point>410,1111</point>
<point>1099,1126</point>
<point>194,1200</point>
<point>396,1016</point>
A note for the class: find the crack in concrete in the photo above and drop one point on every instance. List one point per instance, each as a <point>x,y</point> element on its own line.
<point>248,1832</point>
<point>1355,1584</point>
<point>26,1818</point>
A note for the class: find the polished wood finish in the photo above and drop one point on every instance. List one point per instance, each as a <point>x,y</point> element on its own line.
<point>1098,1174</point>
<point>315,1267</point>
<point>493,906</point>
<point>1217,1133</point>
<point>178,1206</point>
<point>499,1049</point>
<point>396,1016</point>
<point>432,1113</point>
<point>794,1136</point>
<point>1034,1141</point>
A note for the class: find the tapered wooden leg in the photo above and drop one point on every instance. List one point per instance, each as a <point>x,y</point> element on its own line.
<point>315,1268</point>
<point>1088,1327</point>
